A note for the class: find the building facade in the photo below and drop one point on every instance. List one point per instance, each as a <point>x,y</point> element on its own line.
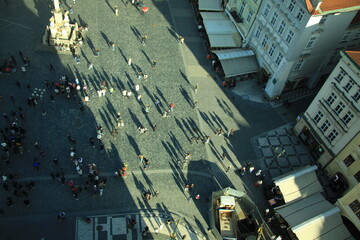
<point>332,120</point>
<point>243,13</point>
<point>297,41</point>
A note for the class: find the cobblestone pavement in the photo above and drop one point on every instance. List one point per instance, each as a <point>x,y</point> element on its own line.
<point>179,69</point>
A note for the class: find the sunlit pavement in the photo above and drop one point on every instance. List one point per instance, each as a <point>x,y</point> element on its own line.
<point>179,68</point>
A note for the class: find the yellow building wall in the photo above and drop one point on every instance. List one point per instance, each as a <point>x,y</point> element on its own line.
<point>338,165</point>
<point>343,204</point>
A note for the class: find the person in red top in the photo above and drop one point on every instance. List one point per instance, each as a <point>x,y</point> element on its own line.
<point>172,105</point>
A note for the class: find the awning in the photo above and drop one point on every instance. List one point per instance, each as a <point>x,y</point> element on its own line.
<point>237,61</point>
<point>298,184</point>
<point>210,5</point>
<point>314,218</point>
<point>220,30</point>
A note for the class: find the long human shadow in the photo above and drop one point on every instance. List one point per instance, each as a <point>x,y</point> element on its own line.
<point>186,96</point>
<point>134,119</point>
<point>105,119</point>
<point>133,144</point>
<point>223,105</point>
<point>146,56</point>
<point>173,33</point>
<point>123,55</point>
<point>186,79</point>
<point>129,78</point>
<point>118,82</point>
<point>90,43</point>
<point>206,119</point>
<point>148,181</point>
<point>81,21</point>
<point>187,126</point>
<point>112,9</point>
<point>107,41</point>
<point>195,127</point>
<point>84,55</point>
<point>136,32</point>
<point>218,120</point>
<point>159,92</point>
<point>182,128</point>
<point>171,153</point>
<point>227,155</point>
<point>110,107</point>
<point>115,157</point>
<point>106,77</point>
<point>176,144</point>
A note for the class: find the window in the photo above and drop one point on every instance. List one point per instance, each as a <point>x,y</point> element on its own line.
<point>332,135</point>
<point>241,9</point>
<point>357,176</point>
<point>356,96</point>
<point>272,49</point>
<point>289,36</point>
<point>331,98</point>
<point>349,160</point>
<point>248,19</point>
<point>267,10</point>
<point>299,64</point>
<point>318,117</point>
<point>311,43</point>
<point>258,32</point>
<point>347,117</point>
<point>323,19</point>
<point>300,14</point>
<point>278,59</point>
<point>349,85</point>
<point>338,109</point>
<point>264,41</point>
<point>345,37</point>
<point>355,205</point>
<point>274,18</point>
<point>291,5</point>
<point>341,75</point>
<point>325,126</point>
<point>282,27</point>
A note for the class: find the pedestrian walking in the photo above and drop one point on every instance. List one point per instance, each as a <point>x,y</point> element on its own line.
<point>141,157</point>
<point>128,94</point>
<point>112,45</point>
<point>27,202</point>
<point>228,169</point>
<point>258,183</point>
<point>171,106</point>
<point>251,169</point>
<point>71,139</point>
<point>56,161</point>
<point>116,10</point>
<point>187,156</point>
<point>129,61</point>
<point>92,142</point>
<point>97,52</point>
<point>181,39</point>
<point>259,173</point>
<point>138,98</point>
<point>147,108</point>
<point>230,132</point>
<point>153,64</point>
<point>154,127</point>
<point>51,67</point>
<point>137,87</point>
<point>147,163</point>
<point>195,104</point>
<point>243,171</point>
<point>60,216</point>
<point>36,164</point>
<point>220,132</point>
<point>143,39</point>
<point>196,88</point>
<point>207,140</point>
<point>197,196</point>
<point>90,65</point>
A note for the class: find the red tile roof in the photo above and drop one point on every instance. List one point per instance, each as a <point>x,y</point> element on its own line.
<point>354,56</point>
<point>332,6</point>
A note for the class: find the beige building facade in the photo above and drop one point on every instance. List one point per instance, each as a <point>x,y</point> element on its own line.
<point>332,120</point>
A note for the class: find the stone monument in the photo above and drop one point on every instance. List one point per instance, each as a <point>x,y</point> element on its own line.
<point>62,34</point>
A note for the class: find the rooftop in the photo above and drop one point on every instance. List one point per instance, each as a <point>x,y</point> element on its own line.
<point>317,7</point>
<point>354,56</point>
